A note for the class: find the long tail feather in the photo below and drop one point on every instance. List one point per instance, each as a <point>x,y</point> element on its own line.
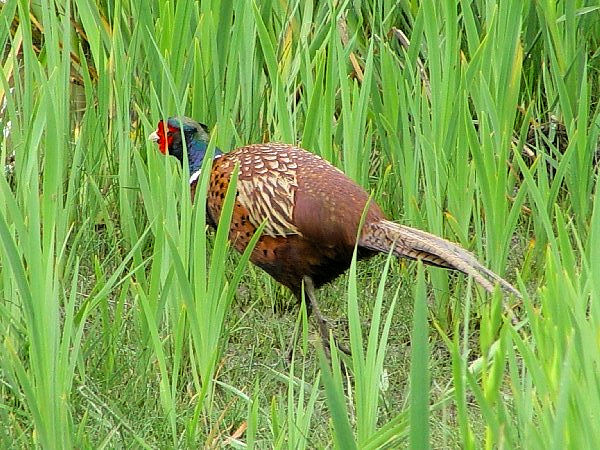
<point>416,244</point>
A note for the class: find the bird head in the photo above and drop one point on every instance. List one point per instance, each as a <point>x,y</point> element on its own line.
<point>170,136</point>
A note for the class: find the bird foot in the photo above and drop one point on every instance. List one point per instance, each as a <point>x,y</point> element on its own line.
<point>325,328</point>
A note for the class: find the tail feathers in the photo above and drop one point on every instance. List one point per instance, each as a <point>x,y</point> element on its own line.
<point>416,244</point>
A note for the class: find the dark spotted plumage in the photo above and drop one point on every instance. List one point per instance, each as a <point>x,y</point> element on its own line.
<point>312,212</point>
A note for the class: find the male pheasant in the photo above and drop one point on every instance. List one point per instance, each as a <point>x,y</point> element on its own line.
<point>312,212</point>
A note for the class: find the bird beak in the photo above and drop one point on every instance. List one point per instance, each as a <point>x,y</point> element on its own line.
<point>153,137</point>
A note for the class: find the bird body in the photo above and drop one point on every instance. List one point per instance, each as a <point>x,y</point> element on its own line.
<point>312,212</point>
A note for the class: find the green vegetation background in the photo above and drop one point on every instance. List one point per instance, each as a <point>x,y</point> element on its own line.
<point>123,323</point>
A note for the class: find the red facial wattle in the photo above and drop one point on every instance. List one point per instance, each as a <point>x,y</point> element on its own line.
<point>165,136</point>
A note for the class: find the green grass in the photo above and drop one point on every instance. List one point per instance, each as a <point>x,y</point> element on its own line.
<point>125,322</point>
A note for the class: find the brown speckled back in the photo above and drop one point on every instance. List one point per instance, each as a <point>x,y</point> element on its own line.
<point>295,190</point>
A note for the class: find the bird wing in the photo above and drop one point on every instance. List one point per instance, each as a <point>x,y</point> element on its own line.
<point>267,186</point>
<point>269,198</point>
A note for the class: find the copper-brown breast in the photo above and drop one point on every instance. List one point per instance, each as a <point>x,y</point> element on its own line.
<point>241,229</point>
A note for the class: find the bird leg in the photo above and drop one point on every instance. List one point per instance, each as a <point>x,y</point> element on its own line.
<point>322,322</point>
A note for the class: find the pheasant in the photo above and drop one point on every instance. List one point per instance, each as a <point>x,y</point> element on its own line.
<point>312,212</point>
